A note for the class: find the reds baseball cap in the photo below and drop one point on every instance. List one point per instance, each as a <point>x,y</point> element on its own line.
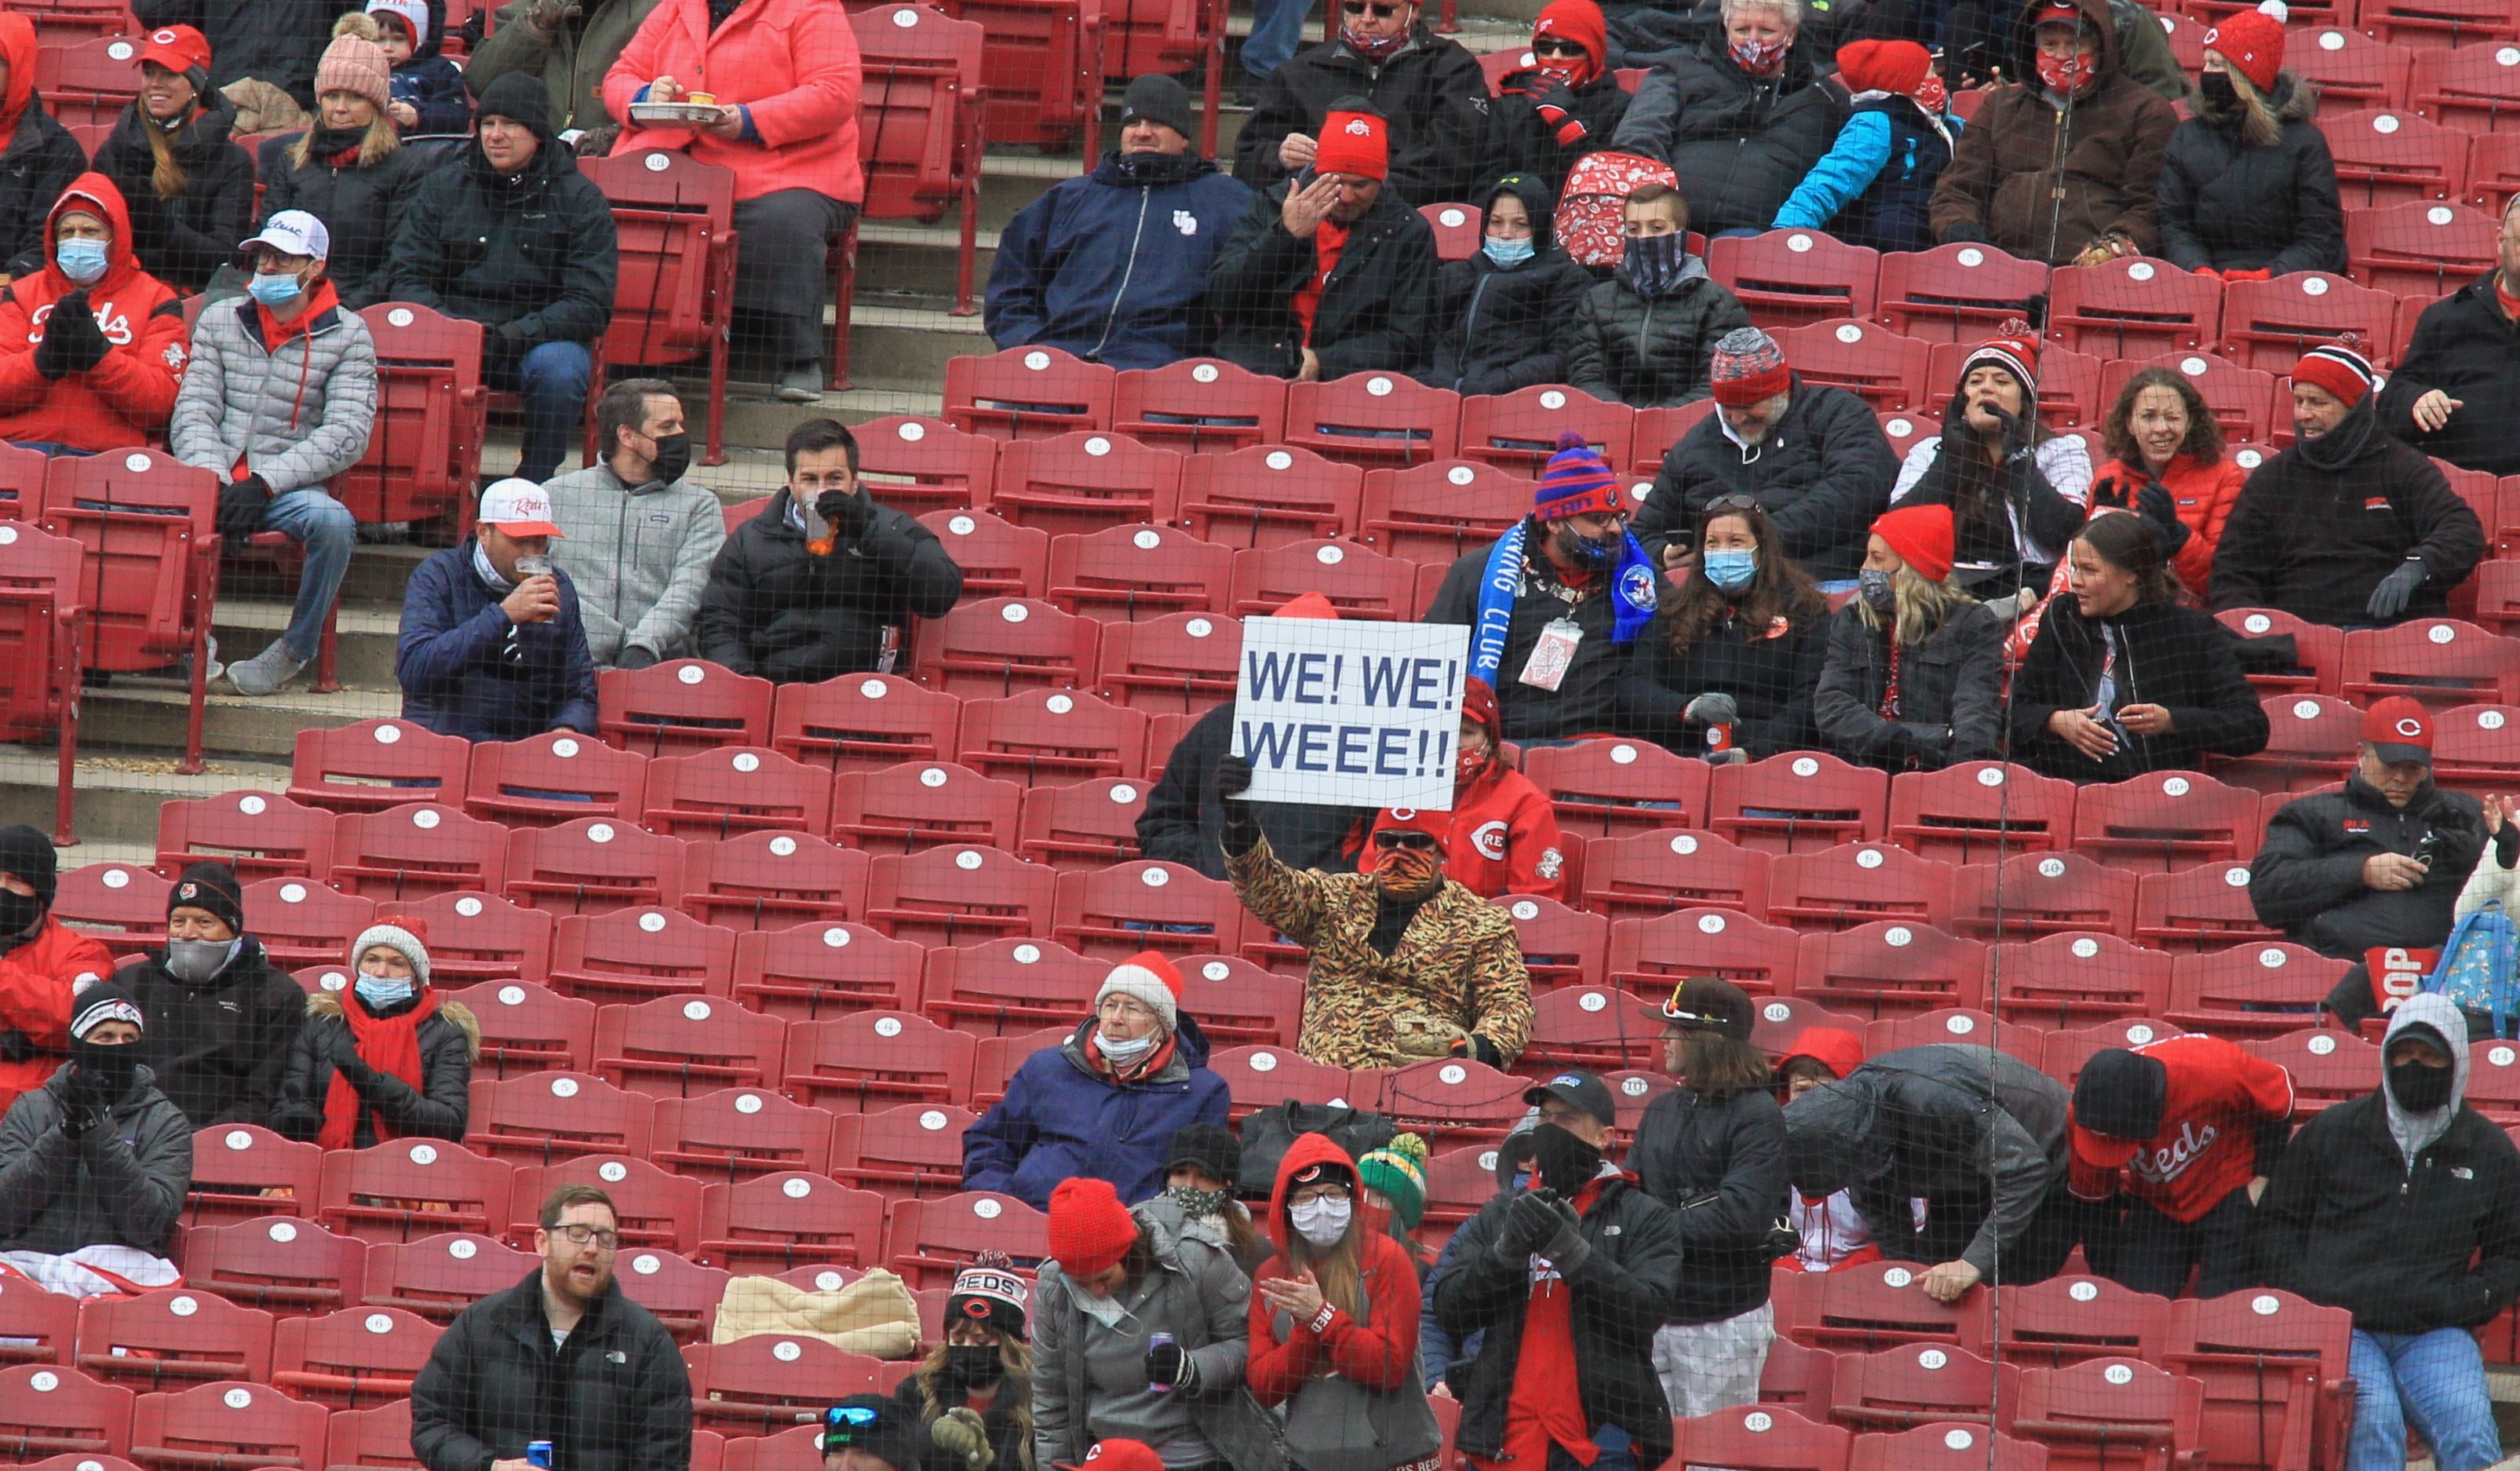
<point>517,507</point>
<point>291,232</point>
<point>177,48</point>
<point>2399,729</point>
<point>1116,1455</point>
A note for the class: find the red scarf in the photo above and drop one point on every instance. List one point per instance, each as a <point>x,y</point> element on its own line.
<point>1329,241</point>
<point>2502,295</point>
<point>388,1044</point>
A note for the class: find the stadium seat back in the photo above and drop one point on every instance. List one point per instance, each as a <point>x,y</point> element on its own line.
<point>1271,494</point>
<point>640,955</point>
<point>1200,405</point>
<point>772,881</point>
<point>593,866</point>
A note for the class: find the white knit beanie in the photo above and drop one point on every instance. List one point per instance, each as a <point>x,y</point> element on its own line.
<point>399,939</point>
<point>1151,979</point>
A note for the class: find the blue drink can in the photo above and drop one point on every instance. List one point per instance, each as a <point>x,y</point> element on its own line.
<point>1153,1339</point>
<point>539,1455</point>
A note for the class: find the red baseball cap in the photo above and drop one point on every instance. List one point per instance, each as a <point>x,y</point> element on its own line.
<point>1116,1455</point>
<point>177,48</point>
<point>2399,729</point>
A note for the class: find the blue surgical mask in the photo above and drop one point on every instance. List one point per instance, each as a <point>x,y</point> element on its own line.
<point>1731,570</point>
<point>82,260</point>
<point>274,291</point>
<point>1509,253</point>
<point>381,993</point>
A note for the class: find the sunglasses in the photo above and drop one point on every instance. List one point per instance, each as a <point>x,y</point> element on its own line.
<point>1379,11</point>
<point>1552,46</point>
<point>1415,842</point>
<point>842,1424</point>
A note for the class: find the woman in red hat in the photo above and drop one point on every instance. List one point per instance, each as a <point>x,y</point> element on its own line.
<point>188,189</point>
<point>1915,677</point>
<point>2248,190</point>
<point>1502,836</point>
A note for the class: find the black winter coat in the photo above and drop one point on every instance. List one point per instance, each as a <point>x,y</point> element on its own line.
<point>278,41</point>
<point>1008,1443</point>
<point>2270,209</point>
<point>1738,143</point>
<point>1377,311</point>
<point>1771,674</point>
<point>613,1397</point>
<point>2314,543</point>
<point>121,1183</point>
<point>2306,878</point>
<point>2346,1222</point>
<point>1622,1294</point>
<point>1586,700</point>
<point>363,208</point>
<point>1951,693</point>
<point>1822,473</point>
<point>2176,657</point>
<point>1434,94</point>
<point>219,1051</point>
<point>1184,823</point>
<point>185,239</point>
<point>1496,326</point>
<point>438,1109</point>
<point>41,161</point>
<point>774,609</point>
<point>1720,1165</point>
<point>1650,352</point>
<point>533,255</point>
<point>1519,141</point>
<point>2466,348</point>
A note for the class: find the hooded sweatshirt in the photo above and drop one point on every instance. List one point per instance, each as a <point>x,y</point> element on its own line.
<point>38,156</point>
<point>1500,323</point>
<point>1377,1351</point>
<point>126,399</point>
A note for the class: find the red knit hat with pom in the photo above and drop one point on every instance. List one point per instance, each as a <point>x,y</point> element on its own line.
<point>1897,68</point>
<point>2252,42</point>
<point>1089,1231</point>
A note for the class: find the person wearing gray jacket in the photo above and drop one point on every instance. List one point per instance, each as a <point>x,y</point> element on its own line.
<point>1140,1332</point>
<point>97,1156</point>
<point>1977,1134</point>
<point>637,538</point>
<point>278,399</point>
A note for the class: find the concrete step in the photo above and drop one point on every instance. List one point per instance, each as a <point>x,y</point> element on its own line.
<point>118,794</point>
<point>365,653</point>
<point>141,714</point>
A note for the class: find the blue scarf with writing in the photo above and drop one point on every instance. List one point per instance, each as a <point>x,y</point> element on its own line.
<point>1632,598</point>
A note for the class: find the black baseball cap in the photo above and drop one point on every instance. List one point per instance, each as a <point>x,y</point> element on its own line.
<point>1579,1091</point>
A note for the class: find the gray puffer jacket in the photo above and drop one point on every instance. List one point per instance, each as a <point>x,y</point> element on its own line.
<point>297,417</point>
<point>1650,352</point>
<point>121,1183</point>
<point>640,556</point>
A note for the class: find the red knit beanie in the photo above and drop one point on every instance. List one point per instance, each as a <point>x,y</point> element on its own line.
<point>1897,68</point>
<point>1089,1231</point>
<point>2252,42</point>
<point>2014,349</point>
<point>1577,20</point>
<point>1921,536</point>
<point>1357,144</point>
<point>2338,369</point>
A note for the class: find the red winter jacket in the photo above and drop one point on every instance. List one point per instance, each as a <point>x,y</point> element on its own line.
<point>791,65</point>
<point>36,982</point>
<point>2205,495</point>
<point>2224,1116</point>
<point>1504,838</point>
<point>126,399</point>
<point>1380,1354</point>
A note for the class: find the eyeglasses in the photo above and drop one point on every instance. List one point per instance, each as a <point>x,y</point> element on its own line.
<point>1331,1190</point>
<point>580,1235</point>
<point>1418,842</point>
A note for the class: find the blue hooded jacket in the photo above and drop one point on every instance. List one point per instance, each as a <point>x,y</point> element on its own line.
<point>1060,1118</point>
<point>1112,266</point>
<point>454,665</point>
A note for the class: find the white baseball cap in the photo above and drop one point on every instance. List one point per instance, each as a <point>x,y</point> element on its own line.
<point>517,507</point>
<point>292,232</point>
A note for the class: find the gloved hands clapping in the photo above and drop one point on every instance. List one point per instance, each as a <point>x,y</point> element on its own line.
<point>1170,1365</point>
<point>2389,599</point>
<point>1529,1221</point>
<point>1564,1246</point>
<point>2155,505</point>
<point>71,342</point>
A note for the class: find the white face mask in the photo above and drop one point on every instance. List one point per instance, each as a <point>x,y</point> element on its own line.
<point>1105,1310</point>
<point>1321,1220</point>
<point>1127,1053</point>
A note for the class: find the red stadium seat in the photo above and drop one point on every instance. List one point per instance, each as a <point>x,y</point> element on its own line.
<point>1617,788</point>
<point>1891,968</point>
<point>1918,1384</point>
<point>1797,1378</point>
<point>2318,648</point>
<point>1755,1437</point>
<point>919,128</point>
<point>552,779</point>
<point>863,722</point>
<point>151,564</point>
<point>1086,481</point>
<point>2327,1066</point>
<point>593,866</point>
<point>419,850</point>
<point>550,1117</point>
<point>1375,419</point>
<point>2135,307</point>
<point>399,1191</point>
<point>2418,250</point>
<point>2493,171</point>
<point>529,1027</point>
<point>376,764</point>
<point>438,1278</point>
<point>673,297</point>
<point>2276,1371</point>
<point>1518,432</point>
<point>655,1211</point>
<point>2386,157</point>
<point>2476,88</point>
<point>1451,1101</point>
<point>2496,587</point>
<point>481,937</point>
<point>1560,946</point>
<point>917,466</point>
<point>36,1327</point>
<point>766,1382</point>
<point>772,881</point>
<point>739,1133</point>
<point>2312,740</point>
<point>353,1359</point>
<point>424,455</point>
<point>2065,1052</point>
<point>2251,990</point>
<point>1865,1309</point>
<point>1359,582</point>
<point>1259,1078</point>
<point>172,1337</point>
<point>1112,913</point>
<point>1238,1003</point>
<point>1856,883</point>
<point>1956,292</point>
<point>1267,495</point>
<point>1200,405</point>
<point>1434,513</point>
<point>2201,908</point>
<point>641,954</point>
<point>1786,278</point>
<point>928,1241</point>
<point>262,835</point>
<point>2472,747</point>
<point>124,907</point>
<point>1027,393</point>
<point>1132,573</point>
<point>1944,1447</point>
<point>959,895</point>
<point>914,1150</point>
<point>847,1062</point>
<point>50,1411</point>
<point>1887,371</point>
<point>1460,228</point>
<point>2069,980</point>
<point>798,1449</point>
<point>2103,1412</point>
<point>2441,662</point>
<point>684,1047</point>
<point>736,791</point>
<point>300,923</point>
<point>997,1058</point>
<point>918,806</point>
<point>2266,324</point>
<point>1007,987</point>
<point>2073,1317</point>
<point>1049,737</point>
<point>1962,1025</point>
<point>277,1263</point>
<point>1657,430</point>
<point>90,81</point>
<point>780,1222</point>
<point>371,1439</point>
<point>681,707</point>
<point>2241,400</point>
<point>684,1295</point>
<point>243,1171</point>
<point>1798,803</point>
<point>1180,664</point>
<point>1002,646</point>
<point>2034,893</point>
<point>812,972</point>
<point>1593,1027</point>
<point>1648,957</point>
<point>2165,821</point>
<point>227,1425</point>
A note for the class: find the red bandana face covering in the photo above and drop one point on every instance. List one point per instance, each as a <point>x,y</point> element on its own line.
<point>1932,95</point>
<point>1759,58</point>
<point>2066,78</point>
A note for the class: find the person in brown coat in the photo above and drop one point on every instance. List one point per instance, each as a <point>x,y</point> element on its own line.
<point>2075,115</point>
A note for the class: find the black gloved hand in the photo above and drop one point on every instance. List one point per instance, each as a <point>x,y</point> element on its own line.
<point>1478,1049</point>
<point>241,506</point>
<point>1170,1365</point>
<point>848,513</point>
<point>2110,491</point>
<point>1529,1220</point>
<point>2017,432</point>
<point>81,1113</point>
<point>342,1049</point>
<point>632,657</point>
<point>2153,501</point>
<point>1233,778</point>
<point>1564,1246</point>
<point>71,341</point>
<point>2389,599</point>
<point>17,1046</point>
<point>2507,847</point>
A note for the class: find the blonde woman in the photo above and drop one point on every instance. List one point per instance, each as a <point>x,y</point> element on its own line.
<point>349,168</point>
<point>1914,678</point>
<point>2248,190</point>
<point>190,190</point>
<point>974,1392</point>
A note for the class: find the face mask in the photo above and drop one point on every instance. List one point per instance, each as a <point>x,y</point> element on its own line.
<point>1932,95</point>
<point>274,291</point>
<point>1562,1162</point>
<point>1321,1222</point>
<point>1729,568</point>
<point>1469,769</point>
<point>1405,872</point>
<point>1873,586</point>
<point>82,260</point>
<point>194,961</point>
<point>1196,1203</point>
<point>2417,1089</point>
<point>1373,48</point>
<point>18,912</point>
<point>2066,78</point>
<point>1587,554</point>
<point>974,1363</point>
<point>1125,1054</point>
<point>381,994</point>
<point>1651,265</point>
<point>1759,58</point>
<point>2214,92</point>
<point>672,459</point>
<point>1509,253</point>
<point>1105,1310</point>
<point>1558,76</point>
<point>114,1067</point>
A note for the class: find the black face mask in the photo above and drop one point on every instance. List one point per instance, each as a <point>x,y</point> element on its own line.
<point>2215,93</point>
<point>1586,553</point>
<point>973,1365</point>
<point>1562,1162</point>
<point>672,460</point>
<point>19,913</point>
<point>2417,1089</point>
<point>104,1072</point>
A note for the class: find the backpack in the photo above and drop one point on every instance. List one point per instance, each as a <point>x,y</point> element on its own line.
<point>2474,972</point>
<point>1268,1135</point>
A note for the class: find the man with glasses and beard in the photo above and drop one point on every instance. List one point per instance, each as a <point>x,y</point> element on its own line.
<point>1404,963</point>
<point>563,1358</point>
<point>1430,88</point>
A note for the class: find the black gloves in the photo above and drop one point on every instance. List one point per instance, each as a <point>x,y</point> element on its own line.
<point>1557,107</point>
<point>509,334</point>
<point>241,506</point>
<point>342,1049</point>
<point>1242,828</point>
<point>632,657</point>
<point>71,341</point>
<point>1170,1365</point>
<point>1967,233</point>
<point>1564,1246</point>
<point>1529,1220</point>
<point>17,1046</point>
<point>2507,847</point>
<point>2017,432</point>
<point>2389,599</point>
<point>848,514</point>
<point>2154,503</point>
<point>1479,1049</point>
